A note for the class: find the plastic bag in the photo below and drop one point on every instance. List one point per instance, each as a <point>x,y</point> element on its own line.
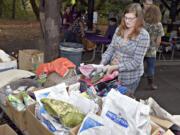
<point>69,116</point>
<point>83,104</point>
<point>126,115</point>
<point>16,103</point>
<point>27,99</point>
<point>94,125</point>
<point>158,111</point>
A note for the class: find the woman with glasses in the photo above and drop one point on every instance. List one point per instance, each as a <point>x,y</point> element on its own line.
<point>128,48</point>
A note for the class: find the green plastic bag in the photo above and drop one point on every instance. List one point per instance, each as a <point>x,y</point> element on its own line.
<point>69,115</point>
<point>16,103</point>
<point>27,99</point>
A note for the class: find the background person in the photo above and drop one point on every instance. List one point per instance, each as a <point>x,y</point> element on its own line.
<point>111,28</point>
<point>76,30</point>
<point>128,48</point>
<point>67,17</point>
<point>153,25</point>
<point>147,4</point>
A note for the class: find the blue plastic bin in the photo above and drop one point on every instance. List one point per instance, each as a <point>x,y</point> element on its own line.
<point>71,51</point>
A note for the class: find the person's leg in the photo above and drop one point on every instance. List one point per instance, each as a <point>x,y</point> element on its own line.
<point>151,61</point>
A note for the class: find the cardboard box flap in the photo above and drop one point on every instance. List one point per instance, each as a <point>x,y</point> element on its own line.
<point>163,123</point>
<point>169,132</point>
<point>74,131</point>
<point>16,116</point>
<point>6,130</point>
<point>176,119</point>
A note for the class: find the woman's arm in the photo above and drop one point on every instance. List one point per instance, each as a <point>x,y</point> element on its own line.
<point>82,28</point>
<point>158,41</point>
<point>160,34</point>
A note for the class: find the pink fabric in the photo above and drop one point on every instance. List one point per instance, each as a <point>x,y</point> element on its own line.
<point>86,70</point>
<point>109,77</point>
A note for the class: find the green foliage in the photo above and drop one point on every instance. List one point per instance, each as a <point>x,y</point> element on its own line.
<point>111,7</point>
<point>6,8</point>
<point>115,7</point>
<point>23,10</point>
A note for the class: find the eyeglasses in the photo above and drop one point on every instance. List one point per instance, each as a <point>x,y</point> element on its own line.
<point>129,18</point>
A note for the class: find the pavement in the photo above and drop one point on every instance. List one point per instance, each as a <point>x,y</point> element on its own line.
<point>167,95</point>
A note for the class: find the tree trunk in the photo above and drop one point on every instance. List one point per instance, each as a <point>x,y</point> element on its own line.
<point>1,8</point>
<point>42,16</point>
<point>52,29</point>
<point>14,9</point>
<point>35,8</point>
<point>90,14</point>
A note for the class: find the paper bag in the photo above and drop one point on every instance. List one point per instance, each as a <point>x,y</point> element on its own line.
<point>29,59</point>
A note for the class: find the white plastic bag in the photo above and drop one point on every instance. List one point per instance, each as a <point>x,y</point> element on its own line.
<point>83,104</point>
<point>158,111</point>
<point>126,115</point>
<point>94,125</point>
<point>55,92</point>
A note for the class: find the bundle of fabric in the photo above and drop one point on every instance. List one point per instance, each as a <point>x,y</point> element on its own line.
<point>95,75</point>
<point>60,66</point>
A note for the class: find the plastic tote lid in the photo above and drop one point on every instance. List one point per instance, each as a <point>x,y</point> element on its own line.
<point>71,44</point>
<point>71,47</point>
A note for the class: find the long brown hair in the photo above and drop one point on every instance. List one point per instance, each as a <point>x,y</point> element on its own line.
<point>152,15</point>
<point>137,10</point>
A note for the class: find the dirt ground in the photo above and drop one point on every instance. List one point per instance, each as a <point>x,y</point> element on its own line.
<point>16,35</point>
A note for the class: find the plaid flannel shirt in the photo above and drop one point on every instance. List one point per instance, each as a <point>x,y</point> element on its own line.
<point>129,56</point>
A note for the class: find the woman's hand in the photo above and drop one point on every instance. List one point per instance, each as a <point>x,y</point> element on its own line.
<point>111,68</point>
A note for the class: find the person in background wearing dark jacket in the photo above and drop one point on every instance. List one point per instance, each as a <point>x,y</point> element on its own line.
<point>67,17</point>
<point>111,28</point>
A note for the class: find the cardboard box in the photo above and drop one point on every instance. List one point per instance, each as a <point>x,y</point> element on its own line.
<point>8,65</point>
<point>35,127</point>
<point>6,130</point>
<point>18,117</point>
<point>75,130</point>
<point>165,124</point>
<point>29,59</point>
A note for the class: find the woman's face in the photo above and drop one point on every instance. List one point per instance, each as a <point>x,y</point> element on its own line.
<point>68,9</point>
<point>147,4</point>
<point>130,20</point>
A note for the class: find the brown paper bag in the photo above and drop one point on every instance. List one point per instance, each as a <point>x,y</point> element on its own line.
<point>29,59</point>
